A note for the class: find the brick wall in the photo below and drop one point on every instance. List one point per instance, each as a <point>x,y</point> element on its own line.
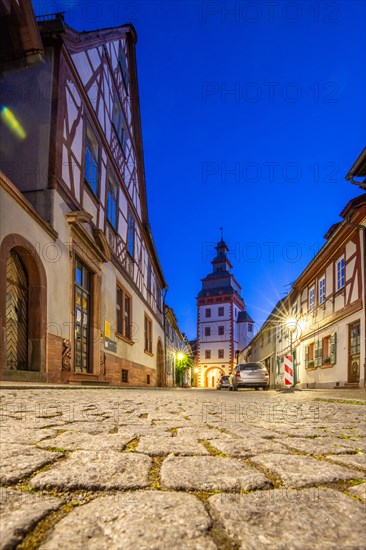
<point>54,360</point>
<point>137,374</point>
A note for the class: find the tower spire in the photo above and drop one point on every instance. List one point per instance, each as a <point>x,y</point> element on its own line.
<point>222,233</point>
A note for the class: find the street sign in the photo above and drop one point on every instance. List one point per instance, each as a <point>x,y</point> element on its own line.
<point>289,370</point>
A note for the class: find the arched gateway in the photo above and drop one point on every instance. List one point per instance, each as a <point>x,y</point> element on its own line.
<point>23,307</point>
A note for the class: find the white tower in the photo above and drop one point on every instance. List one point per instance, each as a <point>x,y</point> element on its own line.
<point>223,325</point>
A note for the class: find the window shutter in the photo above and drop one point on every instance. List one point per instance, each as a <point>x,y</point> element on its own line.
<point>333,348</point>
<point>306,357</point>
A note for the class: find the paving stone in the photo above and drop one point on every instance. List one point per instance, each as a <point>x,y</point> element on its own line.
<point>356,444</point>
<point>200,432</point>
<point>98,427</point>
<point>23,436</point>
<point>19,461</point>
<point>318,446</point>
<point>96,470</point>
<point>296,520</point>
<point>358,491</point>
<point>19,513</point>
<point>210,473</point>
<point>154,520</point>
<point>354,461</point>
<point>73,441</point>
<point>299,471</point>
<point>160,446</point>
<point>251,446</point>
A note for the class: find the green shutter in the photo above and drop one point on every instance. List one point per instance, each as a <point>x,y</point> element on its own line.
<point>333,348</point>
<point>320,353</point>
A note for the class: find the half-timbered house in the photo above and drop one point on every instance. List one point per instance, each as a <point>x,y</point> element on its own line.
<point>322,320</point>
<point>81,282</point>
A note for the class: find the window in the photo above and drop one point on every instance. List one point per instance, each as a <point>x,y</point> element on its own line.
<point>250,327</point>
<point>221,330</point>
<point>207,331</point>
<point>309,356</point>
<point>221,311</point>
<point>123,312</point>
<point>207,354</point>
<point>112,199</point>
<point>148,379</point>
<point>311,298</point>
<point>124,375</point>
<point>91,172</point>
<point>326,350</point>
<point>208,312</point>
<point>149,276</point>
<point>131,235</point>
<point>340,273</point>
<point>355,339</point>
<point>148,334</point>
<point>221,354</point>
<point>119,123</point>
<point>123,65</point>
<point>158,297</point>
<point>322,290</point>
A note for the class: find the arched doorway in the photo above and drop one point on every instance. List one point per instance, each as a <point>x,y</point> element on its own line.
<point>16,313</point>
<point>23,307</point>
<point>160,379</point>
<point>212,375</point>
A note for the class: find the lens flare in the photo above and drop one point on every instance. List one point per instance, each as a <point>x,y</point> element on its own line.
<point>12,123</point>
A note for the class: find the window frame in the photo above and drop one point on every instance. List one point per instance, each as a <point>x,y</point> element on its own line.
<point>208,312</point>
<point>131,234</point>
<point>148,335</point>
<point>95,156</point>
<point>119,123</point>
<point>311,298</point>
<point>221,330</point>
<point>124,374</point>
<point>340,273</point>
<point>112,183</point>
<point>221,311</point>
<point>221,353</point>
<point>322,289</point>
<point>121,313</point>
<point>207,354</point>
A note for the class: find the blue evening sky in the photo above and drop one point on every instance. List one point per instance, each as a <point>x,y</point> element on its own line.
<point>252,114</point>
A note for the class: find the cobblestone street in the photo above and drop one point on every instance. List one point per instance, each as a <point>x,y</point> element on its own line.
<point>191,469</point>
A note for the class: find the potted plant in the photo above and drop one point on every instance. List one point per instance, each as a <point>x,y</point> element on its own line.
<point>311,364</point>
<point>326,360</point>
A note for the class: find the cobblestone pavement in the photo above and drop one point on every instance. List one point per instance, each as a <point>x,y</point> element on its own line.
<point>194,469</point>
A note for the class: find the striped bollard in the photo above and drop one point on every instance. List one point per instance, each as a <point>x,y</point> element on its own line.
<point>289,371</point>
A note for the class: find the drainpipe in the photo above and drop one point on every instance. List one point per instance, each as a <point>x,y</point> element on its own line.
<point>363,277</point>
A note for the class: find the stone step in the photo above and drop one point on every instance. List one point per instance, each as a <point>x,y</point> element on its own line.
<point>348,386</point>
<point>81,382</point>
<point>83,376</point>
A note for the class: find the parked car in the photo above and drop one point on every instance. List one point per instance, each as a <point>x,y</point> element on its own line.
<point>249,375</point>
<point>223,382</point>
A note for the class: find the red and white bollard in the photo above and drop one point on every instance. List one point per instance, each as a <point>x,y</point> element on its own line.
<point>289,371</point>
